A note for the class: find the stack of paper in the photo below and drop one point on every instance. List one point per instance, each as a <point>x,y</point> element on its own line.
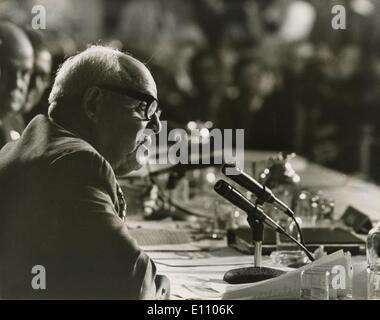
<point>287,286</point>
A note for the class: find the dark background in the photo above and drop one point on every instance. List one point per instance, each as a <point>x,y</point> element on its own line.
<point>275,68</point>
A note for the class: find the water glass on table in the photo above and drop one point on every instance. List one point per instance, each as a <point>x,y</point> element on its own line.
<point>315,284</point>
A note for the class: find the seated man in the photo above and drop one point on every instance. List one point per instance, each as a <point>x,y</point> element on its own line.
<point>16,64</point>
<point>61,208</point>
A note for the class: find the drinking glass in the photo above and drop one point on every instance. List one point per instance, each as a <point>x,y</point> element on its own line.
<point>315,284</point>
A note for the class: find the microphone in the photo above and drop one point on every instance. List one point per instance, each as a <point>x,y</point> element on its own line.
<point>236,198</point>
<point>262,192</point>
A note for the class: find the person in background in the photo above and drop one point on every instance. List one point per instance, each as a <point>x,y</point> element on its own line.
<point>207,76</point>
<point>16,64</point>
<point>258,105</point>
<point>60,204</point>
<point>40,78</point>
<point>333,100</point>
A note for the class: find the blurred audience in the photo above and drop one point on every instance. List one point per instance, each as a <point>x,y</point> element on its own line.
<point>331,98</point>
<point>202,102</point>
<point>275,68</point>
<point>16,65</point>
<point>259,105</point>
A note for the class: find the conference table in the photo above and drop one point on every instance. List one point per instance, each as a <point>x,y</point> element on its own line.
<point>196,267</point>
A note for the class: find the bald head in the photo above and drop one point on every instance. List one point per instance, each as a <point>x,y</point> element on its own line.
<point>16,64</point>
<point>14,42</point>
<point>98,66</point>
<point>140,76</point>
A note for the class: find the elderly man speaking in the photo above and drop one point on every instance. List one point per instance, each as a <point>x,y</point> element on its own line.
<point>61,209</point>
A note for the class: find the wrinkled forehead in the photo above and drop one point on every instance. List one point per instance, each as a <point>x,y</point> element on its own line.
<point>137,75</point>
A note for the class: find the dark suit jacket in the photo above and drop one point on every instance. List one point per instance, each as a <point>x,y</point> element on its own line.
<point>58,209</point>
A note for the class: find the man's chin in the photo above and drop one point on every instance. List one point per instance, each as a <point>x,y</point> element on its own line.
<point>133,163</point>
<point>127,168</point>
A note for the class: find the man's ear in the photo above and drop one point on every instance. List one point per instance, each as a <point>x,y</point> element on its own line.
<point>91,103</point>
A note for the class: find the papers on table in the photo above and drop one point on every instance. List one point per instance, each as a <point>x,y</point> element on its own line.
<point>287,286</point>
<point>171,247</point>
<point>199,275</point>
<point>160,236</point>
<point>211,261</point>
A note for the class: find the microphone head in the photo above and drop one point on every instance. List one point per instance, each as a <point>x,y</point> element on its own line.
<point>243,179</point>
<point>228,192</point>
<point>222,188</point>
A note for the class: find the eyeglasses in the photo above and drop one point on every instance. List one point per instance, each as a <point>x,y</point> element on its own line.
<point>148,105</point>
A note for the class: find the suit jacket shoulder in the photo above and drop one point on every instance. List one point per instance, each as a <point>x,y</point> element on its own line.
<point>59,210</point>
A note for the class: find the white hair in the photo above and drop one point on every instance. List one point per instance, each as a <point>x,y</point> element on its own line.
<point>96,65</point>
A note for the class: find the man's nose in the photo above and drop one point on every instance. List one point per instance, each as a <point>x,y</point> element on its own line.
<point>155,124</point>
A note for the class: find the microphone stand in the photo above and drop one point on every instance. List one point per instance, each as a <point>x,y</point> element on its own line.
<point>257,272</point>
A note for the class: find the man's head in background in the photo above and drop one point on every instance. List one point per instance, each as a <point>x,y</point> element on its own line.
<point>16,64</point>
<point>206,71</point>
<point>253,77</point>
<point>108,98</point>
<point>40,78</point>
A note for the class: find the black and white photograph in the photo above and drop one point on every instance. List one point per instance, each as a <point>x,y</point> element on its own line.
<point>210,151</point>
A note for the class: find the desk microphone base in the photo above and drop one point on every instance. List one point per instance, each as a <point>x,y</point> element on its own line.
<point>257,272</point>
<point>251,274</point>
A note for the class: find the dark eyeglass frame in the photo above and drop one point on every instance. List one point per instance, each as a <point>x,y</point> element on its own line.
<point>143,97</point>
